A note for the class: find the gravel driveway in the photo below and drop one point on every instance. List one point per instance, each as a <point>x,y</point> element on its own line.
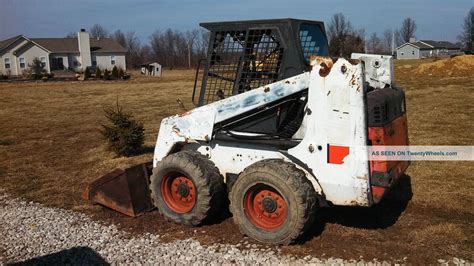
<point>41,234</point>
<point>37,234</point>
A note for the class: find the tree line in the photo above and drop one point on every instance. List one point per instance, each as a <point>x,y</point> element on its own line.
<point>174,48</point>
<point>171,48</point>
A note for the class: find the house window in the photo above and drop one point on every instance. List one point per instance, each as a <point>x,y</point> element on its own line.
<point>75,63</point>
<point>7,63</point>
<point>43,61</point>
<point>22,62</point>
<point>112,60</point>
<point>94,63</point>
<point>413,52</point>
<point>403,53</point>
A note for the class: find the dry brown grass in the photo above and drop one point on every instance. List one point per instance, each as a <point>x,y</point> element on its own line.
<point>50,147</point>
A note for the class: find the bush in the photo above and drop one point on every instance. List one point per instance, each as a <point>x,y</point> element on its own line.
<point>87,73</point>
<point>36,70</point>
<point>115,73</point>
<point>124,135</point>
<point>121,73</point>
<point>106,75</point>
<point>98,73</point>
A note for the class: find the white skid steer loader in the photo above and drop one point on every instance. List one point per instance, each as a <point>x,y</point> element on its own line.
<point>281,130</point>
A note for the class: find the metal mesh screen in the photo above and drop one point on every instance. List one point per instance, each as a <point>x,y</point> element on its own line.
<point>241,61</point>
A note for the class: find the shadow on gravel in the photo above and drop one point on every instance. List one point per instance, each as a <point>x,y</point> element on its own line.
<point>379,216</point>
<point>73,256</point>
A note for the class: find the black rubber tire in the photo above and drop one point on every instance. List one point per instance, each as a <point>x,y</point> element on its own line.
<point>208,181</point>
<point>292,184</point>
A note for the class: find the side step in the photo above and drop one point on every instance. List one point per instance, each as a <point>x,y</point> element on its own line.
<point>125,191</point>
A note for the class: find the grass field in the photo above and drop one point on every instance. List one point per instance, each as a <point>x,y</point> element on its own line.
<point>50,147</point>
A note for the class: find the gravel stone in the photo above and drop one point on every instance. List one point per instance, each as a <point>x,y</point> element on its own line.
<point>37,234</point>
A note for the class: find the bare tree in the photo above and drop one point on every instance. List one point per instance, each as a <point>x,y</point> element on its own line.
<point>119,37</point>
<point>191,37</point>
<point>170,48</point>
<point>398,38</point>
<point>71,34</point>
<point>408,29</point>
<point>146,54</point>
<point>339,26</point>
<point>202,43</point>
<point>387,41</point>
<point>98,31</point>
<point>467,35</point>
<point>343,40</point>
<point>374,44</point>
<point>133,49</point>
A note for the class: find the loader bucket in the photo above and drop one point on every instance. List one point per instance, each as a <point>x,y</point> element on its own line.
<point>125,191</point>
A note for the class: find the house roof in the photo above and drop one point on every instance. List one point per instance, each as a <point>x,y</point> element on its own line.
<point>106,45</point>
<point>422,45</point>
<point>440,44</point>
<point>58,45</point>
<point>70,45</point>
<point>428,44</point>
<point>5,43</point>
<point>150,63</point>
<point>411,44</point>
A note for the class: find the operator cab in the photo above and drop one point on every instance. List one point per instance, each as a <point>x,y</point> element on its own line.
<point>245,55</point>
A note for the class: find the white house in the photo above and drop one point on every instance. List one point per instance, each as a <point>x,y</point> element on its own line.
<point>75,54</point>
<point>426,48</point>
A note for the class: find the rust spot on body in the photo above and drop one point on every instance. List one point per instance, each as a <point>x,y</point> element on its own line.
<point>354,61</point>
<point>324,70</point>
<point>318,60</point>
<point>325,63</point>
<point>354,203</point>
<point>185,113</point>
<point>176,130</point>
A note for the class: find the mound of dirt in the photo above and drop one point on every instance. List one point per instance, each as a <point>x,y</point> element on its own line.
<point>462,65</point>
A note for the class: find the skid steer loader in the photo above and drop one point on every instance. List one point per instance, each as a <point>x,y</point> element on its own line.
<point>281,129</point>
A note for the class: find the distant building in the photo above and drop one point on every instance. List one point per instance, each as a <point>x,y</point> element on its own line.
<point>426,48</point>
<point>151,69</point>
<point>75,54</point>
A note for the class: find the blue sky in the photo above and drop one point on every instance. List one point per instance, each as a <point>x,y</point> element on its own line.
<point>436,19</point>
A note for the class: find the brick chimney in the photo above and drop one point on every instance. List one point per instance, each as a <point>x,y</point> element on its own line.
<point>84,49</point>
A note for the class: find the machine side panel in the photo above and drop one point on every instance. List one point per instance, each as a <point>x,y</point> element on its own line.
<point>334,145</point>
<point>198,124</point>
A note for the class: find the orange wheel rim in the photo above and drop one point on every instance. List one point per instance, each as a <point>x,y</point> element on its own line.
<point>265,207</point>
<point>178,192</point>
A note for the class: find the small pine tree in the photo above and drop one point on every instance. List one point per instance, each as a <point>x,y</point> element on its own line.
<point>87,73</point>
<point>106,75</point>
<point>115,73</point>
<point>124,135</point>
<point>98,73</point>
<point>36,69</point>
<point>121,73</point>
